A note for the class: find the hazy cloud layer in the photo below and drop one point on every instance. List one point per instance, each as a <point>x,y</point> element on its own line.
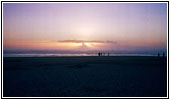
<point>82,41</point>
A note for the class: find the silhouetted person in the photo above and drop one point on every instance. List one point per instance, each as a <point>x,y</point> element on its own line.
<point>99,54</point>
<point>108,54</point>
<point>158,54</point>
<point>163,54</point>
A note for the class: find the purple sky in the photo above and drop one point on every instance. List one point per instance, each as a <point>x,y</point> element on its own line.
<point>130,25</point>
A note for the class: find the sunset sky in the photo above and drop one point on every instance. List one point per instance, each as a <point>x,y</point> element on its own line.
<point>85,26</point>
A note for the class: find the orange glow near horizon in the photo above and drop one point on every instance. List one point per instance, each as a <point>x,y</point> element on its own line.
<point>53,45</point>
<point>46,45</point>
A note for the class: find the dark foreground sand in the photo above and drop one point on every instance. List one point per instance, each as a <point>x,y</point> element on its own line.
<point>84,77</point>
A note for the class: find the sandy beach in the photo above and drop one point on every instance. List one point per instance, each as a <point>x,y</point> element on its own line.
<point>85,76</point>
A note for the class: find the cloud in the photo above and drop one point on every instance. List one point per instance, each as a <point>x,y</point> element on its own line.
<point>82,41</point>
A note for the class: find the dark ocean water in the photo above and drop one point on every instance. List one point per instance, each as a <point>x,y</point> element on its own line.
<point>57,54</point>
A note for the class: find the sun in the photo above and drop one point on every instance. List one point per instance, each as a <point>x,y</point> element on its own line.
<point>86,44</point>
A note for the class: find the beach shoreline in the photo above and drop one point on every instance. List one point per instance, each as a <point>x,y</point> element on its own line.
<point>85,76</point>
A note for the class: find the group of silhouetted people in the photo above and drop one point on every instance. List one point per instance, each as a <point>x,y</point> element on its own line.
<point>162,54</point>
<point>103,54</point>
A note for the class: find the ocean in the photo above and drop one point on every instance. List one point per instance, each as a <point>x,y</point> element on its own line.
<point>73,54</point>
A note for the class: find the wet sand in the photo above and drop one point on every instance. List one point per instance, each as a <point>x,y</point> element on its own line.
<point>117,76</point>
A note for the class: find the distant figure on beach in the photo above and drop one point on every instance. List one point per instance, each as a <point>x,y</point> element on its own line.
<point>158,54</point>
<point>99,54</point>
<point>108,54</point>
<point>163,54</point>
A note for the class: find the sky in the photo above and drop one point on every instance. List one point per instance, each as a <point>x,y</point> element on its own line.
<point>85,26</point>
